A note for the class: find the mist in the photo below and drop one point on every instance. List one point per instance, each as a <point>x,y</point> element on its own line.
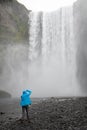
<point>81,41</point>
<point>52,79</point>
<point>52,54</point>
<point>53,62</point>
<point>14,74</point>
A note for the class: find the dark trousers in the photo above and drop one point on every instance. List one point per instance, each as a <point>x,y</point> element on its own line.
<point>25,112</point>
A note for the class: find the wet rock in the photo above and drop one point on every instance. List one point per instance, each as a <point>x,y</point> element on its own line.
<point>1,113</point>
<point>53,115</point>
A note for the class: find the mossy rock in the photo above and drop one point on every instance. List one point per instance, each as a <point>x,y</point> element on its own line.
<point>4,94</point>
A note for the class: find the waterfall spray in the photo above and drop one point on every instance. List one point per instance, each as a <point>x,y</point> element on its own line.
<point>52,53</point>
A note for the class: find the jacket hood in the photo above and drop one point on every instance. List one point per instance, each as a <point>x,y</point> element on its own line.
<point>24,92</point>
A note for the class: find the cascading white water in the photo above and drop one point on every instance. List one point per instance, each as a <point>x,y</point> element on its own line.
<point>52,52</point>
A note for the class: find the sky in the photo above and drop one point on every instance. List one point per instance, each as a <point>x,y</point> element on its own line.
<point>45,5</point>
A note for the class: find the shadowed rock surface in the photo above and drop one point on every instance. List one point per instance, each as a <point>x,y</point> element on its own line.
<point>13,22</point>
<point>4,94</point>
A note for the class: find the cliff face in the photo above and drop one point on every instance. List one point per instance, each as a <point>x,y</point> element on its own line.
<point>13,46</point>
<point>80,15</point>
<point>13,22</point>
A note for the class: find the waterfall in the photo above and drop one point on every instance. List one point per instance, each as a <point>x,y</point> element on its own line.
<point>52,53</point>
<point>35,35</point>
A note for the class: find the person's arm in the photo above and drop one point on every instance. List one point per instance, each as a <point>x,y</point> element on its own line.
<point>29,91</point>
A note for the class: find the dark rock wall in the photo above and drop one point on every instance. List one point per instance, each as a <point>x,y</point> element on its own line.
<point>13,22</point>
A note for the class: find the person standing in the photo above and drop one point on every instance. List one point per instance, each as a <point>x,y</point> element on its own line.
<point>25,102</point>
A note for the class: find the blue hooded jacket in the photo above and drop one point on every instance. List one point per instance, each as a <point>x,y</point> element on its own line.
<point>25,98</point>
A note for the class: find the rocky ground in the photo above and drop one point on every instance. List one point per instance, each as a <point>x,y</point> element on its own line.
<point>50,114</point>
